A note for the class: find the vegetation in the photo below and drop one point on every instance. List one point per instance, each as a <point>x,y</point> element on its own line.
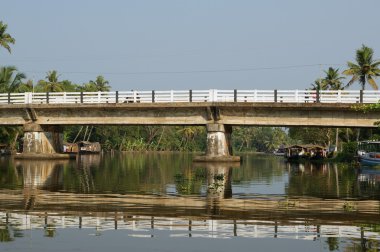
<point>5,38</point>
<point>365,70</point>
<point>186,138</point>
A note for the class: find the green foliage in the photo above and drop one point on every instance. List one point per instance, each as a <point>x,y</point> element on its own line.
<point>10,79</point>
<point>264,139</point>
<point>5,235</point>
<point>365,70</point>
<point>5,38</point>
<point>348,153</point>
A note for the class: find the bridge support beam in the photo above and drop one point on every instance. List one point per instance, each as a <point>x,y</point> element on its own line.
<point>42,142</point>
<point>219,148</point>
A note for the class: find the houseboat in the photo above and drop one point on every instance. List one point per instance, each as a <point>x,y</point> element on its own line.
<point>307,151</point>
<point>369,152</point>
<point>83,147</point>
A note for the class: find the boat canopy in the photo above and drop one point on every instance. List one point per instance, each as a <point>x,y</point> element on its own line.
<point>369,146</point>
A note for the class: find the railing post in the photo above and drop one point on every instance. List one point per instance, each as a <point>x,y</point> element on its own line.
<point>117,97</point>
<point>81,97</point>
<point>235,95</point>
<point>9,98</point>
<point>47,97</point>
<point>361,96</point>
<point>190,95</point>
<point>296,94</point>
<point>153,98</point>
<point>275,95</point>
<point>339,96</point>
<point>99,96</point>
<point>171,96</point>
<point>318,98</point>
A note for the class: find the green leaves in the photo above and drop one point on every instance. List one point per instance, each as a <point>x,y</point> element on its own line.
<point>5,38</point>
<point>366,69</point>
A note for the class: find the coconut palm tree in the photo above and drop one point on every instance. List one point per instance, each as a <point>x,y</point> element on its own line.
<point>333,80</point>
<point>319,84</point>
<point>5,38</point>
<point>10,79</point>
<point>51,84</point>
<point>365,70</point>
<point>100,84</point>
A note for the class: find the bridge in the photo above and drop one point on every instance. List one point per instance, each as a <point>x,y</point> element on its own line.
<point>43,114</point>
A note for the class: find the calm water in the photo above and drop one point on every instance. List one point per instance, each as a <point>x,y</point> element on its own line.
<point>164,202</point>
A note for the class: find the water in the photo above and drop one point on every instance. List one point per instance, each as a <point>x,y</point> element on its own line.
<point>164,202</point>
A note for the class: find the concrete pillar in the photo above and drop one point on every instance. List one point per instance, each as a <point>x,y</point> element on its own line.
<point>42,139</point>
<point>219,147</point>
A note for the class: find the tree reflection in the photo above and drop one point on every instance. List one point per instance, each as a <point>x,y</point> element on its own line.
<point>323,180</point>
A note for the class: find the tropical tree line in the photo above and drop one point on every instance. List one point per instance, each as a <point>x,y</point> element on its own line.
<point>364,71</point>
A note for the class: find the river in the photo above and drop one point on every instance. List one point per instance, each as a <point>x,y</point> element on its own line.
<point>165,202</point>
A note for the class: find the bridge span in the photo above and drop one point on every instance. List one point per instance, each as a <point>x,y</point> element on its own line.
<point>43,114</point>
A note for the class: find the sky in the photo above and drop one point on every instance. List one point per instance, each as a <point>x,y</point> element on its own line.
<point>189,44</point>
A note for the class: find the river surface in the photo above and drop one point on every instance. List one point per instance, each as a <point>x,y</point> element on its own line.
<point>164,202</point>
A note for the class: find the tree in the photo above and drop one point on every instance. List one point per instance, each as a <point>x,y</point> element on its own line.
<point>100,84</point>
<point>5,38</point>
<point>365,70</point>
<point>51,84</point>
<point>318,84</point>
<point>10,79</point>
<point>333,80</point>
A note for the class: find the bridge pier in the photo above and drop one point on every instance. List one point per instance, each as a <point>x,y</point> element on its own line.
<point>219,148</point>
<point>42,142</point>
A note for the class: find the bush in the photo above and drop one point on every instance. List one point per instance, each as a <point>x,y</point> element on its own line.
<point>349,151</point>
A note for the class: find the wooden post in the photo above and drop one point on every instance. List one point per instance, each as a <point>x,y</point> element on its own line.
<point>190,95</point>
<point>47,97</point>
<point>235,95</point>
<point>153,98</point>
<point>9,98</point>
<point>275,95</point>
<point>117,96</point>
<point>81,97</point>
<point>317,97</point>
<point>361,96</point>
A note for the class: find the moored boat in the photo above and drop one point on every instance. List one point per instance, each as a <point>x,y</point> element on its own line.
<point>369,152</point>
<point>308,151</point>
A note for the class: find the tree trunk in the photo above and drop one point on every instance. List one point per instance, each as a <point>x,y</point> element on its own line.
<point>336,139</point>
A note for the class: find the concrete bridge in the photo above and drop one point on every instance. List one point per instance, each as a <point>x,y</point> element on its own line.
<point>44,114</point>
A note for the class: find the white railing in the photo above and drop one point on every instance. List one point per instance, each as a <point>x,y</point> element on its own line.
<point>211,95</point>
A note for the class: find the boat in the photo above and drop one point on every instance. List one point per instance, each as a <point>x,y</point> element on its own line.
<point>280,151</point>
<point>369,152</point>
<point>307,151</point>
<point>83,147</point>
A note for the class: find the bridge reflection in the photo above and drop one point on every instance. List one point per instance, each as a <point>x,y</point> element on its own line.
<point>44,202</point>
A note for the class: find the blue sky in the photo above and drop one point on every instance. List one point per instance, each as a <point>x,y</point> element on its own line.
<point>192,44</point>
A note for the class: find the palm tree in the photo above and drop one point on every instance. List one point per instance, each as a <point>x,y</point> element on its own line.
<point>5,38</point>
<point>366,69</point>
<point>10,79</point>
<point>319,84</point>
<point>333,80</point>
<point>100,84</point>
<point>51,84</point>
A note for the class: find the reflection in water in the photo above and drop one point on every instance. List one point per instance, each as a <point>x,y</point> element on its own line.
<point>143,194</point>
<point>147,226</point>
<point>39,175</point>
<point>219,177</point>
